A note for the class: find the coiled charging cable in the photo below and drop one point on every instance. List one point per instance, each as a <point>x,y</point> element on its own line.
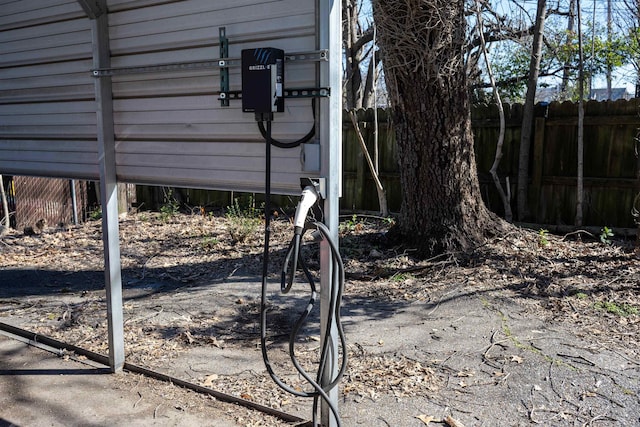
<point>336,287</point>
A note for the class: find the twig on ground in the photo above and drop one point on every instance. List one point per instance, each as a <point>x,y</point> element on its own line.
<point>553,387</point>
<point>452,422</point>
<point>147,317</point>
<point>598,418</point>
<point>139,400</point>
<point>578,232</point>
<point>577,359</point>
<point>485,355</point>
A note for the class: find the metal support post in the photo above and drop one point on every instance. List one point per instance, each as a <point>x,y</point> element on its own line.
<point>330,37</point>
<point>108,190</point>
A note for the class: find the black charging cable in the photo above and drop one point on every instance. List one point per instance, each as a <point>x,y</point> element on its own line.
<point>267,135</point>
<point>336,288</point>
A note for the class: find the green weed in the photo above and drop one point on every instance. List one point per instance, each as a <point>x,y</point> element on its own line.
<point>605,234</point>
<point>401,277</point>
<point>580,295</point>
<point>244,219</point>
<point>350,225</point>
<point>209,242</point>
<point>170,207</point>
<point>623,310</point>
<point>96,214</point>
<point>390,221</point>
<point>543,237</point>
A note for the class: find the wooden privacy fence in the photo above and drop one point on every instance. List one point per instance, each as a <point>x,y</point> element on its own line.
<point>611,166</point>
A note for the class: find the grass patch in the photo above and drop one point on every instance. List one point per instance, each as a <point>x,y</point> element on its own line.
<point>623,310</point>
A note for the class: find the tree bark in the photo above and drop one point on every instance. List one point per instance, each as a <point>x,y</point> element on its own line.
<point>423,45</point>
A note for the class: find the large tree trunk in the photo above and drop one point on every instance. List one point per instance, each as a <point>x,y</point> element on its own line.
<point>422,44</point>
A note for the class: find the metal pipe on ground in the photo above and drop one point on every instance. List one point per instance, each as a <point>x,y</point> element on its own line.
<point>60,348</point>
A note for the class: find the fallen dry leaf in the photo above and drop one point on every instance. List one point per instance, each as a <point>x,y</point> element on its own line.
<point>209,380</point>
<point>516,359</point>
<point>426,419</point>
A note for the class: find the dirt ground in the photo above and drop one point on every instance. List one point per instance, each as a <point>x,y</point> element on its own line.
<point>530,328</point>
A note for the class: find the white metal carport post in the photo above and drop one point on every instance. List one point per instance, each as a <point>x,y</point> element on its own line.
<point>97,12</point>
<point>331,169</point>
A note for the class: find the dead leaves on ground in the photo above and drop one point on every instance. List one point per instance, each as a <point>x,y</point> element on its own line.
<point>448,420</point>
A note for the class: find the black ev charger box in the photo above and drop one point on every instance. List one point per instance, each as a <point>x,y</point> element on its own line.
<point>263,80</point>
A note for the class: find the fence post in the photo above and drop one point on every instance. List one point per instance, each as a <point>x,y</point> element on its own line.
<point>538,164</point>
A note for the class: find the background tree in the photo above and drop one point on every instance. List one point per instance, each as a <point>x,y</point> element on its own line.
<point>361,61</point>
<point>361,80</point>
<point>423,46</point>
<point>504,194</point>
<point>527,113</point>
<point>511,40</point>
<point>628,21</point>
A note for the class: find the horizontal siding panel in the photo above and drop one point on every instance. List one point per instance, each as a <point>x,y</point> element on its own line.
<point>205,132</point>
<point>188,117</point>
<point>48,169</point>
<point>41,46</point>
<point>220,163</point>
<point>225,148</point>
<point>52,42</point>
<point>30,13</point>
<point>48,108</point>
<point>87,146</point>
<point>41,56</point>
<point>51,119</point>
<point>120,5</point>
<point>212,10</point>
<point>41,34</point>
<point>57,157</point>
<point>71,159</point>
<point>208,107</point>
<point>59,93</point>
<point>60,80</point>
<point>276,28</point>
<point>282,182</point>
<point>83,66</point>
<point>47,132</point>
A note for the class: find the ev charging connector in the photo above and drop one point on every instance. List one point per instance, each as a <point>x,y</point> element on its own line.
<point>312,191</point>
<point>308,198</point>
<point>263,81</point>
